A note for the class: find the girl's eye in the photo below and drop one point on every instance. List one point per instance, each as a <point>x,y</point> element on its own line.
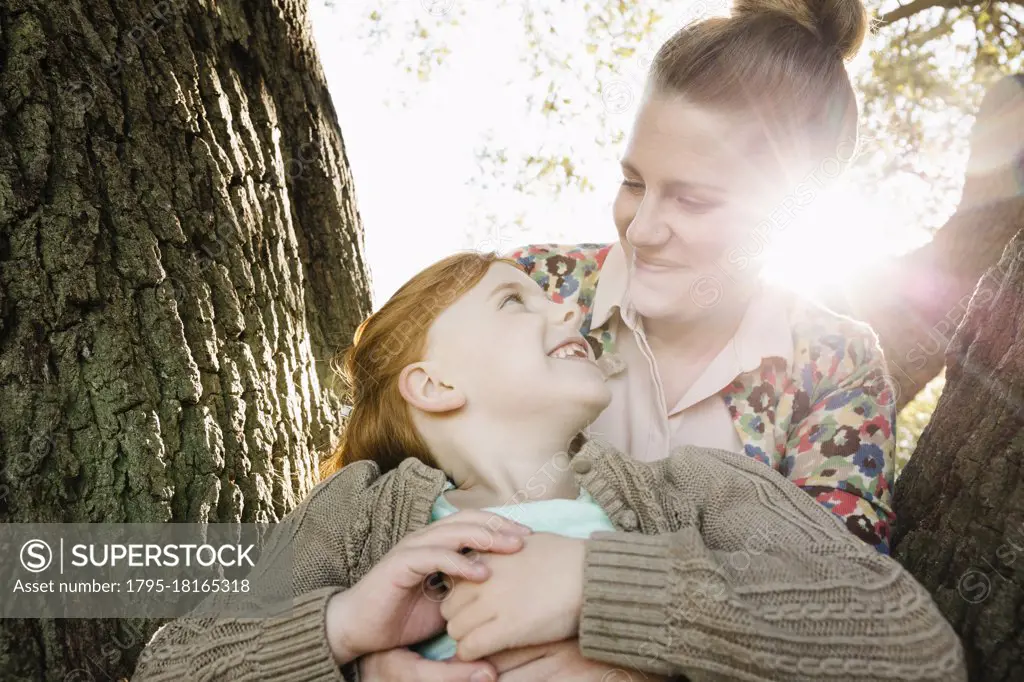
<point>518,298</point>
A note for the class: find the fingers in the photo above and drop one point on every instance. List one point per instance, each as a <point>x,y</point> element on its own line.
<point>510,659</point>
<point>483,639</point>
<point>459,535</point>
<point>489,520</point>
<point>422,562</point>
<point>472,632</point>
<point>459,598</point>
<point>544,668</point>
<point>399,665</point>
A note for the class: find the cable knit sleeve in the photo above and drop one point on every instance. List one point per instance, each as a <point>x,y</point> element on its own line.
<point>755,582</point>
<point>310,549</point>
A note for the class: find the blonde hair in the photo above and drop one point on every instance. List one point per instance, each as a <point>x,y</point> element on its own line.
<point>780,60</point>
<point>379,427</point>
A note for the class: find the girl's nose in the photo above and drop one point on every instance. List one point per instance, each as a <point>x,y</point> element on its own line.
<point>567,313</point>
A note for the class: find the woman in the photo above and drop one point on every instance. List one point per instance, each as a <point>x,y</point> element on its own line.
<point>740,119</point>
<point>729,577</point>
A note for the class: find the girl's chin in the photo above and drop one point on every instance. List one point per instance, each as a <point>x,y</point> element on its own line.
<point>585,402</point>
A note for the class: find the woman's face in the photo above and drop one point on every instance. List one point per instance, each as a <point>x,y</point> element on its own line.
<point>686,210</point>
<point>513,353</point>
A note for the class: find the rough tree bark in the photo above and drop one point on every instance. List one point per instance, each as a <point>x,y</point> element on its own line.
<point>180,254</point>
<point>960,500</point>
<point>916,301</point>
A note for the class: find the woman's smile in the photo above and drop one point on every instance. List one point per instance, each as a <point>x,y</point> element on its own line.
<point>656,265</point>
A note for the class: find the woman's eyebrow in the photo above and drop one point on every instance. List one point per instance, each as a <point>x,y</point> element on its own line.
<point>673,185</point>
<point>628,168</point>
<point>686,186</point>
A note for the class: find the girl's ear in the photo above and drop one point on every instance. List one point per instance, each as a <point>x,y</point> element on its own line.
<point>422,388</point>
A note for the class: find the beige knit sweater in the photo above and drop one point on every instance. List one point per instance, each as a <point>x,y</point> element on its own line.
<point>721,570</point>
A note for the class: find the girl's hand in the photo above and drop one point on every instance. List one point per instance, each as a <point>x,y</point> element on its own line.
<point>400,665</point>
<point>561,661</point>
<point>532,597</point>
<point>394,605</point>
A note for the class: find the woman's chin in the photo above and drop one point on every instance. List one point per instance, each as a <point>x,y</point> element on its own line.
<point>649,294</point>
<point>654,305</point>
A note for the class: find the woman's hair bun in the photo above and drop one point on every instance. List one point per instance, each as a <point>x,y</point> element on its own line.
<point>841,24</point>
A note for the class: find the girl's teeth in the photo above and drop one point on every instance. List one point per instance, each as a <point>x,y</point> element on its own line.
<point>570,351</point>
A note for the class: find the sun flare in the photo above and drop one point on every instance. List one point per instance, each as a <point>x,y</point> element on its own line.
<point>820,247</point>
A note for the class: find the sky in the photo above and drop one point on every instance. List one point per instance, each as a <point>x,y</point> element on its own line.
<point>413,143</point>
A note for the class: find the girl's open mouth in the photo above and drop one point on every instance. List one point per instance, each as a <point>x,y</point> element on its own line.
<point>569,350</point>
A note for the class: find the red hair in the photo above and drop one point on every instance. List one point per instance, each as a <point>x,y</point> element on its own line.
<point>379,427</point>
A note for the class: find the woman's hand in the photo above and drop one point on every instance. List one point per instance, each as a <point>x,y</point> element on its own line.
<point>531,597</point>
<point>400,665</point>
<point>561,661</point>
<point>394,605</point>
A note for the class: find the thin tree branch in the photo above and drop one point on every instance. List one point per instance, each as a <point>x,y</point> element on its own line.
<point>917,6</point>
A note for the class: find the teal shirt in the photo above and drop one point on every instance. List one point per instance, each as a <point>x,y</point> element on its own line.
<point>573,518</point>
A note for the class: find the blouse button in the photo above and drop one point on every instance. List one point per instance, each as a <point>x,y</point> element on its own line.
<point>629,520</point>
<point>581,466</point>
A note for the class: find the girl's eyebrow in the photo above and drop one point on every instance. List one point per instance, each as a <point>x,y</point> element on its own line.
<point>505,286</point>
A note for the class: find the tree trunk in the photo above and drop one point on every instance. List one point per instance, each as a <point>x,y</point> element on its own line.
<point>180,254</point>
<point>915,302</point>
<point>960,500</point>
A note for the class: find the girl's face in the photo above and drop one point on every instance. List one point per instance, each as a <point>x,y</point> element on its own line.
<point>514,354</point>
<point>686,210</point>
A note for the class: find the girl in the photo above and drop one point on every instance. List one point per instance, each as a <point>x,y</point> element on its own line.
<point>468,386</point>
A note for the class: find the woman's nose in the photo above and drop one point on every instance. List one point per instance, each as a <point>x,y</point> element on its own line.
<point>647,228</point>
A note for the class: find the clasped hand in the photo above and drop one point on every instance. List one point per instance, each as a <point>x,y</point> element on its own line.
<point>514,589</point>
<point>392,605</point>
<point>533,596</point>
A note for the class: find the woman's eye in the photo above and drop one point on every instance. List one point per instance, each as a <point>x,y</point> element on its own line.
<point>518,298</point>
<point>695,205</point>
<point>634,186</point>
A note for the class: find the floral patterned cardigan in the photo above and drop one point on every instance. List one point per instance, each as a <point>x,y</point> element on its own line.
<point>826,423</point>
